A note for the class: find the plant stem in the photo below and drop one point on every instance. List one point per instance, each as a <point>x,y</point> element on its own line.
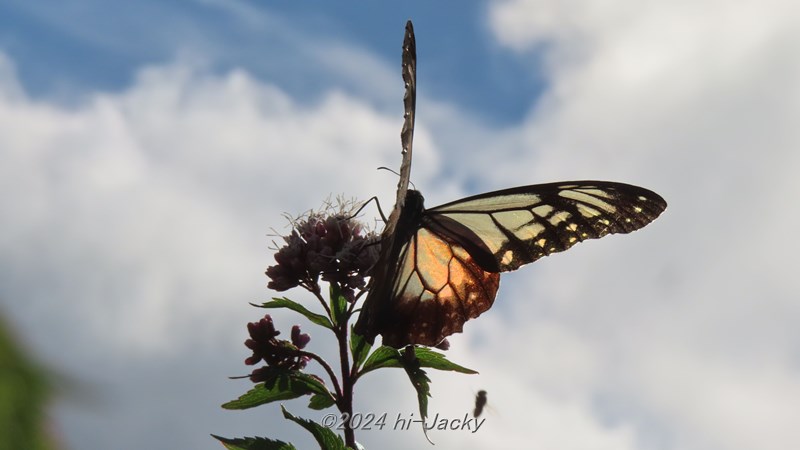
<point>346,406</point>
<point>327,369</point>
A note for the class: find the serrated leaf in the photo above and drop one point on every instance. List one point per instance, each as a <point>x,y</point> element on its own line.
<point>359,347</point>
<point>281,385</point>
<point>383,356</point>
<point>327,439</point>
<point>294,306</point>
<point>338,305</point>
<point>390,357</point>
<point>261,395</point>
<point>313,383</point>
<point>436,360</point>
<point>254,443</point>
<point>319,402</point>
<point>420,381</point>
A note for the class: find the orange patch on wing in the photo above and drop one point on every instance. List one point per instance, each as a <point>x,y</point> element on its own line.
<point>440,288</point>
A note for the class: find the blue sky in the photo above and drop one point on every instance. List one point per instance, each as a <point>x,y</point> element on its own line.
<point>93,45</point>
<point>148,151</point>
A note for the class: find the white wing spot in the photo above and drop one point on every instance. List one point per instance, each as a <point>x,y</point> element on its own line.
<point>559,217</point>
<point>543,210</point>
<point>587,211</point>
<point>529,232</point>
<point>637,209</point>
<point>588,199</point>
<point>541,242</point>
<point>572,239</point>
<point>596,193</point>
<point>572,227</point>
<point>508,256</point>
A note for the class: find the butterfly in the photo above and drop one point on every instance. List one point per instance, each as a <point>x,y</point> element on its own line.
<point>440,267</point>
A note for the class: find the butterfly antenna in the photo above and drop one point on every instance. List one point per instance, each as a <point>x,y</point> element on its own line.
<point>390,170</point>
<point>394,172</point>
<point>377,203</point>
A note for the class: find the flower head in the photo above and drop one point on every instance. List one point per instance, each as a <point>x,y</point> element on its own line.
<point>281,354</point>
<point>328,244</point>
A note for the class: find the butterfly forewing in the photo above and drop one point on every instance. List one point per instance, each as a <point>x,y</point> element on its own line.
<point>506,229</point>
<point>374,312</point>
<point>409,69</point>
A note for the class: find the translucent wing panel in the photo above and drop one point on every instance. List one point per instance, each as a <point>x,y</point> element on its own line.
<point>438,287</point>
<point>504,200</point>
<point>503,230</point>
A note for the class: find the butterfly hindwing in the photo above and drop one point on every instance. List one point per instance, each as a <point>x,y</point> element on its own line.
<point>438,286</point>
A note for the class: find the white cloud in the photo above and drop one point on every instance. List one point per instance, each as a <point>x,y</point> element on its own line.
<point>689,324</point>
<point>134,233</point>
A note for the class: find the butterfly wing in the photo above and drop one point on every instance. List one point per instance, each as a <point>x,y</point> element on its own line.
<point>446,260</point>
<point>374,311</point>
<point>439,268</point>
<point>409,69</point>
<point>437,286</point>
<point>506,229</point>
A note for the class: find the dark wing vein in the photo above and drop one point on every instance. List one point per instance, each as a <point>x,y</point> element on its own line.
<point>438,288</point>
<point>505,229</point>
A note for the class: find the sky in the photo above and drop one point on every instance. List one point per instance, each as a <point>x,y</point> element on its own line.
<point>148,152</point>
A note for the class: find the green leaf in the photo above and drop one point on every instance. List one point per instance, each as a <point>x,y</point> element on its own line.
<point>436,360</point>
<point>294,306</point>
<point>26,389</point>
<point>320,402</point>
<point>281,385</point>
<point>327,439</point>
<point>359,347</point>
<point>390,357</point>
<point>261,395</point>
<point>338,305</point>
<point>412,359</point>
<point>314,384</point>
<point>383,356</point>
<point>420,381</point>
<point>254,443</point>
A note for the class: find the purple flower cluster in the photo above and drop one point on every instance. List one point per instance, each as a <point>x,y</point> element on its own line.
<point>278,354</point>
<point>334,247</point>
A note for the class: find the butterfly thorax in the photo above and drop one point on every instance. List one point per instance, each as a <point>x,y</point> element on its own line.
<point>410,215</point>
